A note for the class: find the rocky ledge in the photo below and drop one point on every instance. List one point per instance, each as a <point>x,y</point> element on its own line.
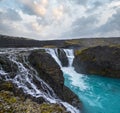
<point>51,73</point>
<point>14,99</point>
<point>100,60</point>
<point>12,103</point>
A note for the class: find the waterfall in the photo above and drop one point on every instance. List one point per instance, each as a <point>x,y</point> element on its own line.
<point>69,53</point>
<point>70,56</point>
<point>26,76</point>
<point>54,54</point>
<point>76,78</point>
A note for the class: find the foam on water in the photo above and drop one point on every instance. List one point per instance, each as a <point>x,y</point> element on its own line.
<point>76,78</point>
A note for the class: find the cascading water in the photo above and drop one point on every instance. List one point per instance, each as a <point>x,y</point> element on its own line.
<point>99,94</point>
<point>26,76</point>
<point>70,56</point>
<point>77,79</point>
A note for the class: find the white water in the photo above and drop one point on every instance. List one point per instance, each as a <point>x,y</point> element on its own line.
<point>70,56</point>
<point>76,78</point>
<point>54,54</point>
<point>25,74</point>
<point>98,94</point>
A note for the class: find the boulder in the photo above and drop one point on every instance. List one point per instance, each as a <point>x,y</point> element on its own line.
<point>100,60</point>
<point>51,73</point>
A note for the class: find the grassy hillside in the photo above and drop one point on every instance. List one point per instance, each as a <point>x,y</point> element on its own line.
<point>9,41</point>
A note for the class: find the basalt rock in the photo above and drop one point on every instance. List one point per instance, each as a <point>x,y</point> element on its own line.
<point>10,70</point>
<point>100,60</point>
<point>51,73</point>
<point>8,66</point>
<point>63,58</point>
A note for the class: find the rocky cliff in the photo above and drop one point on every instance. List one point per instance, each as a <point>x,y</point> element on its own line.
<point>51,73</point>
<point>32,78</point>
<point>100,60</point>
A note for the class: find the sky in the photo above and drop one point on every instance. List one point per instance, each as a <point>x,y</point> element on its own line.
<point>60,19</point>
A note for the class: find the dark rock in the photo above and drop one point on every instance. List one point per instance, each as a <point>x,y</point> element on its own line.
<point>48,69</point>
<point>98,60</point>
<point>63,58</point>
<point>51,73</point>
<point>8,66</point>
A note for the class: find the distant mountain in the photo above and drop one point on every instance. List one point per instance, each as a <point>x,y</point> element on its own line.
<point>10,41</point>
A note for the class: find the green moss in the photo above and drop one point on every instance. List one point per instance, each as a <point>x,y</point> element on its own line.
<point>72,42</point>
<point>6,101</point>
<point>80,51</point>
<point>4,85</point>
<point>7,97</point>
<point>54,108</point>
<point>113,45</point>
<point>49,46</point>
<point>11,104</point>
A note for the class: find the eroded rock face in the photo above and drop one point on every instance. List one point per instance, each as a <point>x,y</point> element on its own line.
<point>47,69</point>
<point>8,66</point>
<point>51,73</point>
<point>98,60</point>
<point>63,58</point>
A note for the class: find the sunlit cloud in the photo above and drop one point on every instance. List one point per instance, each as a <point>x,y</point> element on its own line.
<point>58,12</point>
<point>53,19</point>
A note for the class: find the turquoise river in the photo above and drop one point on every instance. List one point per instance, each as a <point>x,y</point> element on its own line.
<point>98,94</point>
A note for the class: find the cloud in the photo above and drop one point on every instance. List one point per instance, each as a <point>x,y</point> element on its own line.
<point>112,26</point>
<point>58,12</point>
<point>81,2</point>
<point>84,26</point>
<point>10,14</point>
<point>53,19</point>
<point>103,21</point>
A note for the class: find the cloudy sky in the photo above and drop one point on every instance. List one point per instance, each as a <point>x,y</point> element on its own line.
<point>60,19</point>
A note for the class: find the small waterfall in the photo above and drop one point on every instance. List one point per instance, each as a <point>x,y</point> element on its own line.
<point>70,56</point>
<point>76,78</point>
<point>26,76</point>
<point>54,54</point>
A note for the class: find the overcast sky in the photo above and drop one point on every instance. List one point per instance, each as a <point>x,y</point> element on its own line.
<point>60,19</point>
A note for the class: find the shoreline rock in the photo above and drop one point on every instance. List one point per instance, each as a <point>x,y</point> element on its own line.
<point>100,60</point>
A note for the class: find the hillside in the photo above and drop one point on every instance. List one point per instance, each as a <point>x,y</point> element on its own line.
<point>9,41</point>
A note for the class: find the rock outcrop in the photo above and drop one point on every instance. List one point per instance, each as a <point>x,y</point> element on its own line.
<point>100,60</point>
<point>63,58</point>
<point>48,70</point>
<point>51,73</point>
<point>8,66</point>
<point>11,103</point>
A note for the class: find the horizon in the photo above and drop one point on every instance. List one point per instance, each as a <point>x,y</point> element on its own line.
<point>28,38</point>
<point>60,20</point>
